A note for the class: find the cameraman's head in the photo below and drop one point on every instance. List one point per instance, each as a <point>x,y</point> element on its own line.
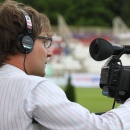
<point>20,44</point>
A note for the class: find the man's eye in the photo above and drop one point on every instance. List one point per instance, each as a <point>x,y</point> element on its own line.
<point>47,44</point>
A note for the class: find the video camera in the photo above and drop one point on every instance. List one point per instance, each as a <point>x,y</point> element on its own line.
<point>114,77</point>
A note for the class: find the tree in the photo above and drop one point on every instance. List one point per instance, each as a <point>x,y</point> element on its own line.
<point>83,13</point>
<point>70,93</point>
<point>125,11</point>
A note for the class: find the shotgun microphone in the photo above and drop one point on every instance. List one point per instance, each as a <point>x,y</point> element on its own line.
<point>100,49</point>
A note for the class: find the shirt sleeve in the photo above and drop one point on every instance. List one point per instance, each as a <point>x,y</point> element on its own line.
<point>49,106</point>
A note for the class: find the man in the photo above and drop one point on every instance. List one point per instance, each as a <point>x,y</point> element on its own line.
<point>25,96</point>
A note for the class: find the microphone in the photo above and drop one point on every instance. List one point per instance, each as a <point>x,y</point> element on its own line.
<point>100,49</point>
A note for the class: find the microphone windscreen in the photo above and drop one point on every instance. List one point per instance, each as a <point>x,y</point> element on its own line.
<point>100,49</point>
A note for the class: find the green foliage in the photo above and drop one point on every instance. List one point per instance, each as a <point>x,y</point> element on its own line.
<point>70,92</point>
<point>125,11</point>
<point>84,12</point>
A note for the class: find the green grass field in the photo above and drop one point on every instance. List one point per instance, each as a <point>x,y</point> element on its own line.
<point>93,99</point>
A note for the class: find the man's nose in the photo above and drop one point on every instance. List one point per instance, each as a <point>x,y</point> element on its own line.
<point>49,52</point>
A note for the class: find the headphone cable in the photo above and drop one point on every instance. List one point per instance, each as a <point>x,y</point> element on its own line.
<point>24,63</point>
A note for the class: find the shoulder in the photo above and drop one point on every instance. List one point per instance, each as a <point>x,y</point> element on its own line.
<point>32,78</point>
<point>37,81</point>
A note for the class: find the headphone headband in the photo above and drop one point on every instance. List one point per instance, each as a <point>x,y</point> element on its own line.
<point>28,22</point>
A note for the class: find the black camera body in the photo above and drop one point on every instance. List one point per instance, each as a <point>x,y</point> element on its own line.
<point>115,80</point>
<point>114,77</point>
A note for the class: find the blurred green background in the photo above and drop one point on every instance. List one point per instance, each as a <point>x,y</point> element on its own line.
<point>84,12</point>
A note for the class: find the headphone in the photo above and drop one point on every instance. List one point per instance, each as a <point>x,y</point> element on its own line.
<point>26,42</point>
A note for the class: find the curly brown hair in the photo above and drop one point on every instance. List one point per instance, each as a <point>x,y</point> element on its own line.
<point>12,23</point>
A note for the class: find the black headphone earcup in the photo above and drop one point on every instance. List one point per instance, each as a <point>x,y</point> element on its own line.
<point>25,44</point>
